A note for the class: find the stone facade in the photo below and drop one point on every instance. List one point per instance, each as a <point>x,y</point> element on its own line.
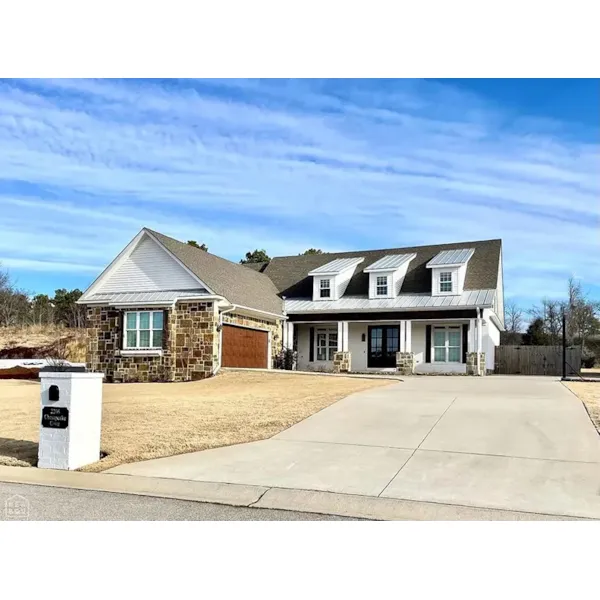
<point>190,343</point>
<point>273,327</point>
<point>188,351</point>
<point>342,362</point>
<point>405,363</point>
<point>472,363</point>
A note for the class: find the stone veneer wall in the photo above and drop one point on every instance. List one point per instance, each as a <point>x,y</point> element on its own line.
<point>189,348</point>
<point>472,363</point>
<point>405,363</point>
<point>342,362</point>
<point>274,327</point>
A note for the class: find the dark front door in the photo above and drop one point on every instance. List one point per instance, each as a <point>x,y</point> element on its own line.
<point>384,342</point>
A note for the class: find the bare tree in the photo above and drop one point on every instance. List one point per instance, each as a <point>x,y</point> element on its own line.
<point>513,320</point>
<point>582,314</point>
<point>550,312</point>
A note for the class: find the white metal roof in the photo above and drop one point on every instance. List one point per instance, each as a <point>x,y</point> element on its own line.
<point>337,266</point>
<point>470,298</point>
<point>141,298</point>
<point>451,257</point>
<point>390,262</point>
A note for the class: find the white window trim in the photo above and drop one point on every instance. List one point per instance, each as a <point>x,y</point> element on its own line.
<point>328,346</point>
<point>325,287</point>
<point>137,350</point>
<point>446,346</point>
<point>378,285</point>
<point>446,292</point>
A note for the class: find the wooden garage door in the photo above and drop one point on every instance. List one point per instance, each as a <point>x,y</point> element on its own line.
<point>244,347</point>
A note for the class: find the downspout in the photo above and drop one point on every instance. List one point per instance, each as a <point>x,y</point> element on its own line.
<point>220,328</point>
<point>479,332</point>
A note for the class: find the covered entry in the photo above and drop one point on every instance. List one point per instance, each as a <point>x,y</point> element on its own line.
<point>244,347</point>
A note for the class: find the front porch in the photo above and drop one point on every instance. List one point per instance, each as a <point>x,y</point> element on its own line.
<point>419,346</point>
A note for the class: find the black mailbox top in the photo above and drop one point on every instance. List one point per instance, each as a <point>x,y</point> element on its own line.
<point>53,393</point>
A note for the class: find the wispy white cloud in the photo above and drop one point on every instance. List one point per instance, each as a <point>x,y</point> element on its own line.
<point>287,165</point>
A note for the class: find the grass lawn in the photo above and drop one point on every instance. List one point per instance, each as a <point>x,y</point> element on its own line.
<point>150,420</point>
<point>590,396</point>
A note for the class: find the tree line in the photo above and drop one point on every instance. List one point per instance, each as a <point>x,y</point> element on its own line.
<point>582,317</point>
<point>19,307</point>
<point>256,256</point>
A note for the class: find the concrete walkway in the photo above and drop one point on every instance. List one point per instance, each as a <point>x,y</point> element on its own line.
<point>506,443</point>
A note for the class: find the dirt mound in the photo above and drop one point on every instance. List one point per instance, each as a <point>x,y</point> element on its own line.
<point>19,373</point>
<point>43,342</point>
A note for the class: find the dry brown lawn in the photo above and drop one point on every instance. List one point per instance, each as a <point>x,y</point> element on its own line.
<point>150,420</point>
<point>589,393</point>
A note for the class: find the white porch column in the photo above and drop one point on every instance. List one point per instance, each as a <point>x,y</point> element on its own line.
<point>345,337</point>
<point>288,334</point>
<point>340,339</point>
<point>402,336</point>
<point>408,331</point>
<point>471,339</point>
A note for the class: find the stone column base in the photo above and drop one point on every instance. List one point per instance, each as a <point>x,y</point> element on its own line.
<point>472,363</point>
<point>342,362</point>
<point>405,363</point>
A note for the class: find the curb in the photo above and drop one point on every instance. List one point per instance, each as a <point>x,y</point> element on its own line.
<point>330,503</point>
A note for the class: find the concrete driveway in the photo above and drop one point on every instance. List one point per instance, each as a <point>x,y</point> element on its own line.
<point>512,443</point>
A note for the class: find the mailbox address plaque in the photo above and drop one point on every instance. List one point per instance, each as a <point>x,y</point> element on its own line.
<point>56,417</point>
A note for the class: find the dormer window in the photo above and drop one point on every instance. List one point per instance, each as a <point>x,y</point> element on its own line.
<point>325,289</point>
<point>445,282</point>
<point>382,285</point>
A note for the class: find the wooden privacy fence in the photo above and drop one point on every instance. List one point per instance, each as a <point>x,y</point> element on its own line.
<point>536,360</point>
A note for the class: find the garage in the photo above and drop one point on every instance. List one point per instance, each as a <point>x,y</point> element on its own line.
<point>244,347</point>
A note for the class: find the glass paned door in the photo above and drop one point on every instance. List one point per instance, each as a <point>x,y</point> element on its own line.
<point>447,344</point>
<point>384,342</point>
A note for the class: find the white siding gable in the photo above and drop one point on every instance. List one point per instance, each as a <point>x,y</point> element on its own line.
<point>148,268</point>
<point>458,280</point>
<point>338,284</point>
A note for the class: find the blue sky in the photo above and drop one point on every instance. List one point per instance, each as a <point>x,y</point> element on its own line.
<point>287,165</point>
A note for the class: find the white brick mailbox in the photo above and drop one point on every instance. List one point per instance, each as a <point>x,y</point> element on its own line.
<point>71,419</point>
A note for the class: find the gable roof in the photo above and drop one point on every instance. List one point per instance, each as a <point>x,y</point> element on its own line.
<point>290,273</point>
<point>240,285</point>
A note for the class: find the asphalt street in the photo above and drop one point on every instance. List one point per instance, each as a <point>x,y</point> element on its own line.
<point>43,503</point>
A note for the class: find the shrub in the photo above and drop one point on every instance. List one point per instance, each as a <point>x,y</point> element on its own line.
<point>285,360</point>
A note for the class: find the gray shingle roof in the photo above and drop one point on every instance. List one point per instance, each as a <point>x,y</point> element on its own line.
<point>240,285</point>
<point>290,273</point>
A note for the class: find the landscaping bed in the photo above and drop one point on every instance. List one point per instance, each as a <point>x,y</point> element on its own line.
<point>150,420</point>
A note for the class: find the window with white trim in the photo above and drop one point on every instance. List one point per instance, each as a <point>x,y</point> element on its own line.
<point>381,285</point>
<point>447,344</point>
<point>325,288</point>
<point>446,281</point>
<point>326,344</point>
<point>143,330</point>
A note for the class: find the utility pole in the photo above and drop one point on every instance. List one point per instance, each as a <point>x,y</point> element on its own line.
<point>564,345</point>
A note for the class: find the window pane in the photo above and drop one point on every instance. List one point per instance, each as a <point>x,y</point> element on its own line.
<point>321,339</point>
<point>326,293</point>
<point>454,338</point>
<point>321,353</point>
<point>144,339</point>
<point>157,337</point>
<point>131,317</point>
<point>157,320</point>
<point>332,352</point>
<point>333,340</point>
<point>454,354</point>
<point>324,283</point>
<point>439,355</point>
<point>144,320</point>
<point>131,339</point>
<point>439,337</point>
<point>446,287</point>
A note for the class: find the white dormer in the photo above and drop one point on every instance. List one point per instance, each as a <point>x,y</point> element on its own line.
<point>331,280</point>
<point>387,275</point>
<point>448,271</point>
